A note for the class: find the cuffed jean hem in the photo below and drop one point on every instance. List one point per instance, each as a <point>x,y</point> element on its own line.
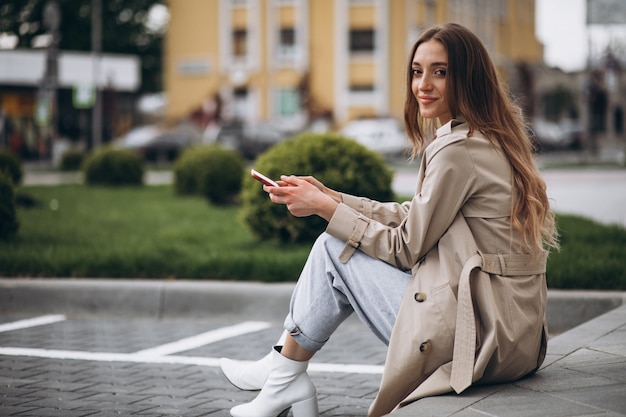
<point>300,338</point>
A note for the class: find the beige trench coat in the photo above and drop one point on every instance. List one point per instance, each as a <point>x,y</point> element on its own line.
<point>474,311</point>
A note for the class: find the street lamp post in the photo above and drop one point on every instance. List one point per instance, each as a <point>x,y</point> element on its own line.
<point>96,47</point>
<point>47,96</point>
<point>591,134</point>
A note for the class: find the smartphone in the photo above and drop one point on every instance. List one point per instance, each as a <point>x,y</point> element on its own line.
<point>262,178</point>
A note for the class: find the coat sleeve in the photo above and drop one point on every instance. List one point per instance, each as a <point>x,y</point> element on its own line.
<point>448,183</point>
<point>390,214</point>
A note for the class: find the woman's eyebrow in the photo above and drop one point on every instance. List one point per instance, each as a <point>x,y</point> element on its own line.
<point>433,64</point>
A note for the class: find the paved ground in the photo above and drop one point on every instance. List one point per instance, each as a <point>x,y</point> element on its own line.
<point>103,367</point>
<point>85,348</point>
<point>584,375</point>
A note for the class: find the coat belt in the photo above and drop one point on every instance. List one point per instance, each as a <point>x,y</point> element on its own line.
<point>464,353</point>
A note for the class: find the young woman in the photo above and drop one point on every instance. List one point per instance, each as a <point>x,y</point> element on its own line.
<point>454,280</point>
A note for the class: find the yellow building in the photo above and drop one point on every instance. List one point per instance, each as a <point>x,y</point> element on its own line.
<point>287,60</point>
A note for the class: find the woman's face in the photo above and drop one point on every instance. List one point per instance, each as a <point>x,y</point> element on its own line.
<point>429,68</point>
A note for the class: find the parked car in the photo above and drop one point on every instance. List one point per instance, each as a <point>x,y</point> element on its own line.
<point>158,144</point>
<point>250,139</point>
<point>383,135</point>
<point>557,136</point>
<point>575,132</point>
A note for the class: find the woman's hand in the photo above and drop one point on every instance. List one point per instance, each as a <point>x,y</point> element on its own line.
<point>331,193</point>
<point>304,196</point>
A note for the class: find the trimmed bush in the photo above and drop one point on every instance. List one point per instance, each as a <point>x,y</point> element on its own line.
<point>109,166</point>
<point>186,170</point>
<point>592,256</point>
<point>211,171</point>
<point>340,163</point>
<point>11,164</point>
<point>72,160</point>
<point>8,218</point>
<point>222,177</point>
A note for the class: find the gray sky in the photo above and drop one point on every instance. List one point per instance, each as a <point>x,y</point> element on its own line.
<point>561,27</point>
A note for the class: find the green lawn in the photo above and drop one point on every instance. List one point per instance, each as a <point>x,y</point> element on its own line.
<point>140,232</point>
<point>149,232</point>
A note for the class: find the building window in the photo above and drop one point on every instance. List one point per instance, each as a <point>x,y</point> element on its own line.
<point>287,36</point>
<point>287,44</point>
<point>240,41</point>
<point>287,102</point>
<point>362,40</point>
<point>361,88</point>
<point>238,3</point>
<point>240,103</point>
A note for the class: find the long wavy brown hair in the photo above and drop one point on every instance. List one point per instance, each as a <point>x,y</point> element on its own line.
<point>475,92</point>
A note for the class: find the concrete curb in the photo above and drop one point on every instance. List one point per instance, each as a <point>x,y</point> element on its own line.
<point>142,298</point>
<point>570,308</point>
<point>195,299</point>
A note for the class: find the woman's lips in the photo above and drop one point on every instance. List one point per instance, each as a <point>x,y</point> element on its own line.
<point>427,100</point>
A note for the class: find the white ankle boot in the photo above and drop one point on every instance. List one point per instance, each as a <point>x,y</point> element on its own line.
<point>287,385</point>
<point>248,375</point>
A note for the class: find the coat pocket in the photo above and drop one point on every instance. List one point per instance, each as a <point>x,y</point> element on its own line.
<point>445,305</point>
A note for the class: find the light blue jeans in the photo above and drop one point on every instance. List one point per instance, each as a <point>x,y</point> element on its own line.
<point>328,291</point>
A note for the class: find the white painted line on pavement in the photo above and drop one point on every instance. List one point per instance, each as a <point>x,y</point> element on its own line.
<point>172,360</point>
<point>106,356</point>
<point>36,321</point>
<point>205,338</point>
<point>163,354</point>
<point>69,354</point>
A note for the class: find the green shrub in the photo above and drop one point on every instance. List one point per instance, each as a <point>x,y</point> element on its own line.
<point>109,166</point>
<point>338,162</point>
<point>186,170</point>
<point>211,171</point>
<point>592,255</point>
<point>8,218</point>
<point>72,160</point>
<point>11,164</point>
<point>221,178</point>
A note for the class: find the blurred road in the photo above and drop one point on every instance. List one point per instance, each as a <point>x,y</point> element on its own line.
<point>599,194</point>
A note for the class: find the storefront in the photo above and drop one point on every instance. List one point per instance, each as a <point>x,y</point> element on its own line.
<point>32,119</point>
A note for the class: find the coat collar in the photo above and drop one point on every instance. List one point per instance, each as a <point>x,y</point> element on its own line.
<point>454,130</point>
<point>447,128</point>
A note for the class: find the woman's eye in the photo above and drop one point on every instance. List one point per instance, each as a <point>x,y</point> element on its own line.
<point>440,73</point>
<point>416,72</point>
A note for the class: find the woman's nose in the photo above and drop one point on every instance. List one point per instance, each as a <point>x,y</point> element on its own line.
<point>424,83</point>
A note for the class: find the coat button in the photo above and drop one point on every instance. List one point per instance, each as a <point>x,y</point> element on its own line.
<point>425,347</point>
<point>420,297</point>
